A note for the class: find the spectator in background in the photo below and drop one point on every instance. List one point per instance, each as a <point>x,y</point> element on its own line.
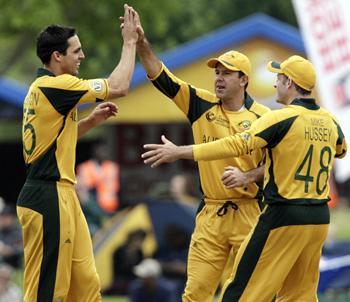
<point>343,189</point>
<point>11,248</point>
<point>98,187</point>
<point>124,260</point>
<point>159,191</point>
<point>182,189</point>
<point>150,286</point>
<point>172,257</point>
<point>9,292</point>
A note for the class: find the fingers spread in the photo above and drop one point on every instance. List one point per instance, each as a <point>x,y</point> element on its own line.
<point>149,153</point>
<point>152,159</point>
<point>152,146</point>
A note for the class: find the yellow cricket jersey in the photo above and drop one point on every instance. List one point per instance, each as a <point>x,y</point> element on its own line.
<point>50,122</point>
<point>302,140</point>
<point>210,122</point>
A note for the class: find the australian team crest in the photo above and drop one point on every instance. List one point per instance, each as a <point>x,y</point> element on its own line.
<point>210,116</point>
<point>245,124</point>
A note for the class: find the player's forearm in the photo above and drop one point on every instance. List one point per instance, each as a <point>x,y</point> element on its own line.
<point>185,152</point>
<point>84,125</point>
<point>148,58</point>
<point>231,146</point>
<point>255,175</point>
<point>120,78</point>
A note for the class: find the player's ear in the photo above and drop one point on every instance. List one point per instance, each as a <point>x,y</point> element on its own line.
<point>244,80</point>
<point>56,56</point>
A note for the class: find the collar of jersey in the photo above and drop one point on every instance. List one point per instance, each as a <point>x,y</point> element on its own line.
<point>248,101</point>
<point>44,72</point>
<point>308,103</point>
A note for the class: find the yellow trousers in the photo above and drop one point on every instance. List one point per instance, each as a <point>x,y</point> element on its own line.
<point>58,255</point>
<point>214,240</point>
<point>280,258</point>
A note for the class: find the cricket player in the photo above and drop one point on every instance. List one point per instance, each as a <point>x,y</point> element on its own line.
<point>230,208</point>
<point>58,256</point>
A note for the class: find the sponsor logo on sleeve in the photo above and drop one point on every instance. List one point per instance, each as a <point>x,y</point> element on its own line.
<point>96,85</point>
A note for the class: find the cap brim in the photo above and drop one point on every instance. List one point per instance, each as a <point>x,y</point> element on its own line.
<point>274,66</point>
<point>214,61</point>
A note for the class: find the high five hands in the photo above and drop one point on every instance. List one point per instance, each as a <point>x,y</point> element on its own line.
<point>131,13</point>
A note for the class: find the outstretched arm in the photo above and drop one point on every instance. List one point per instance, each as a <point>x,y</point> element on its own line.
<point>167,152</point>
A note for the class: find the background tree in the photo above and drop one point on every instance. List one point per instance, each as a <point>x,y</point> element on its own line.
<point>167,23</point>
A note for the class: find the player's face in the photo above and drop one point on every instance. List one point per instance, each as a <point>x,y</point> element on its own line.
<point>70,62</point>
<point>282,85</point>
<point>227,82</point>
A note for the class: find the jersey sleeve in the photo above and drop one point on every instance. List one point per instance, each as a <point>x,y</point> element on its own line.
<point>96,90</point>
<point>65,92</point>
<point>188,98</point>
<point>341,146</point>
<point>267,131</point>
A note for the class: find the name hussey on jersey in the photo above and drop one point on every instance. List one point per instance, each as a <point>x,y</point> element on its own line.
<point>317,131</point>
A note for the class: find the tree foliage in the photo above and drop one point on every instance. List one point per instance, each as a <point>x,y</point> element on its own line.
<point>167,24</point>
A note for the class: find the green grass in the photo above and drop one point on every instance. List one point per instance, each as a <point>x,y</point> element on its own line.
<point>115,299</point>
<point>341,297</point>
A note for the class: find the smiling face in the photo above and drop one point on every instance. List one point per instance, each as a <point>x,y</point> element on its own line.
<point>228,83</point>
<point>70,62</point>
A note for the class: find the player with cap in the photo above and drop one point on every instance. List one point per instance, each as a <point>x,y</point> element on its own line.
<point>281,255</point>
<point>230,207</point>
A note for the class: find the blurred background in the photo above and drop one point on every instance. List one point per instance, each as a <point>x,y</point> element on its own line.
<point>152,212</point>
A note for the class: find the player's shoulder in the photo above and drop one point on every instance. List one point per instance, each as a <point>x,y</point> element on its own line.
<point>206,95</point>
<point>324,111</point>
<point>258,108</point>
<point>68,81</point>
<point>64,81</point>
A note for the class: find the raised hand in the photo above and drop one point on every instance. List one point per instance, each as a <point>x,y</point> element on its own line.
<point>128,24</point>
<point>139,27</point>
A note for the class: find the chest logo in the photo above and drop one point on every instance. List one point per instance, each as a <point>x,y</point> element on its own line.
<point>245,124</point>
<point>210,116</point>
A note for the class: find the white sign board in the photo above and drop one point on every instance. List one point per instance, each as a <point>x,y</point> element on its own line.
<point>325,27</point>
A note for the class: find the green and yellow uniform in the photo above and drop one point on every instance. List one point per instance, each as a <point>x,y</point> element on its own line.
<point>59,263</point>
<point>218,231</point>
<point>281,255</point>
